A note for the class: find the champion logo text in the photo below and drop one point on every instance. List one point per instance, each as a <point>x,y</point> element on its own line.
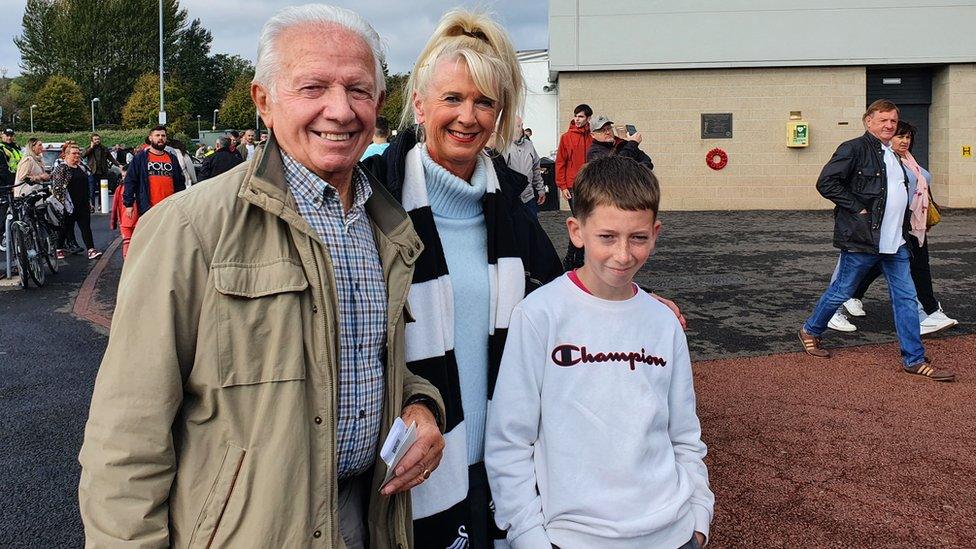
<point>571,355</point>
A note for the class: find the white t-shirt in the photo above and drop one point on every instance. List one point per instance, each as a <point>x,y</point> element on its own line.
<point>592,437</point>
<point>896,202</point>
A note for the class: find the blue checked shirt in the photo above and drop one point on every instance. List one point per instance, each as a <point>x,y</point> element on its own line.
<point>361,290</point>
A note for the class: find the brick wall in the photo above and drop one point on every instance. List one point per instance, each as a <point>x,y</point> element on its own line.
<point>762,172</point>
<point>952,124</point>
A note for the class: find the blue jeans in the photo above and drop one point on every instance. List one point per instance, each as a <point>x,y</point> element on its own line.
<point>533,206</point>
<point>852,268</point>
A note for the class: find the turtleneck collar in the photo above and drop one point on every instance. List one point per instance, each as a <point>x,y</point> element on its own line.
<point>449,195</point>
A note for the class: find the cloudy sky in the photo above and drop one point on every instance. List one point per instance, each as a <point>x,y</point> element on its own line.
<point>405,25</point>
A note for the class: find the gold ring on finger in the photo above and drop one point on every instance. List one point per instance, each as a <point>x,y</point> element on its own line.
<point>426,474</point>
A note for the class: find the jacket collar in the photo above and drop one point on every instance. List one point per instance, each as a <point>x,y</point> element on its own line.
<point>876,143</point>
<point>265,187</point>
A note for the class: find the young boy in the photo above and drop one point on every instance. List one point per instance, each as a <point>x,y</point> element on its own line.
<point>592,437</point>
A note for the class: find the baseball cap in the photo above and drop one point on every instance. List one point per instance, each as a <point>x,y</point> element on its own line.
<point>8,131</point>
<point>597,122</point>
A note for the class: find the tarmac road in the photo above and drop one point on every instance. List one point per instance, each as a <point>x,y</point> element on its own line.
<point>48,362</point>
<point>745,281</point>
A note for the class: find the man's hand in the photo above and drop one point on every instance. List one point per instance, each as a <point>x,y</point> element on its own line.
<point>128,212</point>
<point>863,212</point>
<point>674,309</point>
<point>425,454</point>
<point>541,200</point>
<point>700,538</point>
<point>637,137</point>
<point>567,194</point>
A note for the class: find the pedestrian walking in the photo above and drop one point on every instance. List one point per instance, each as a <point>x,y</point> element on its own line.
<point>872,222</point>
<point>71,181</point>
<point>932,318</point>
<point>153,175</point>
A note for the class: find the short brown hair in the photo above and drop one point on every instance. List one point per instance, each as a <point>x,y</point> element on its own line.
<point>615,181</point>
<point>881,105</point>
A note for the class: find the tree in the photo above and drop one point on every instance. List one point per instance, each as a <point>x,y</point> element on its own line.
<point>142,107</point>
<point>227,69</point>
<point>103,45</point>
<point>60,106</point>
<point>195,69</point>
<point>237,109</point>
<point>395,98</point>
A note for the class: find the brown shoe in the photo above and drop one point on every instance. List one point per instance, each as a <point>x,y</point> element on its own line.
<point>811,345</point>
<point>932,372</point>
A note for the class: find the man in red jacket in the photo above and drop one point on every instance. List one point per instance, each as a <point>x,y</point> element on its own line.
<point>570,157</point>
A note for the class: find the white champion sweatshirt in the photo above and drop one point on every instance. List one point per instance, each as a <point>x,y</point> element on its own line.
<point>592,437</point>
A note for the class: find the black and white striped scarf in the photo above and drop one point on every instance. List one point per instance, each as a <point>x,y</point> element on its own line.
<point>442,503</point>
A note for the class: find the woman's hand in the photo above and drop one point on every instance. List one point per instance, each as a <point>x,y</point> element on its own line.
<point>567,194</point>
<point>425,454</point>
<point>674,309</point>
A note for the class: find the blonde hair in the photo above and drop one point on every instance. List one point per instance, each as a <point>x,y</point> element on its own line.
<point>490,58</point>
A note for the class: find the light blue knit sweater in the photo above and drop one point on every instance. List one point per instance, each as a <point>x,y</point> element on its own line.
<point>460,222</point>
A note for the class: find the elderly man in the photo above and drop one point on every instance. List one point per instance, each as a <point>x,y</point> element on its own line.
<point>256,361</point>
<point>867,183</point>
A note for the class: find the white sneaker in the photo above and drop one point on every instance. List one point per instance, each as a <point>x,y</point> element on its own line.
<point>840,323</point>
<point>854,307</point>
<point>937,321</point>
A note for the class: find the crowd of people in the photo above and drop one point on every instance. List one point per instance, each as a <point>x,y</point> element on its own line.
<point>351,279</point>
<point>75,177</point>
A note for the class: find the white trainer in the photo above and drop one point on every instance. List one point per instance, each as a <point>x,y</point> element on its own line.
<point>840,323</point>
<point>937,321</point>
<point>854,307</point>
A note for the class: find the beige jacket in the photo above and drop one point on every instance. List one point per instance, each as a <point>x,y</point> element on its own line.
<point>214,412</point>
<point>29,167</point>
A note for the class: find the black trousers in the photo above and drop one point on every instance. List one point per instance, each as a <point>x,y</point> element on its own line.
<point>81,217</point>
<point>574,256</point>
<point>921,275</point>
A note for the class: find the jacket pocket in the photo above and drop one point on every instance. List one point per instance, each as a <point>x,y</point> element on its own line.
<point>853,227</point>
<point>259,317</point>
<point>869,183</point>
<point>220,491</point>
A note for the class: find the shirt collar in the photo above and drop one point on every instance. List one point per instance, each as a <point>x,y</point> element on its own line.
<point>313,188</point>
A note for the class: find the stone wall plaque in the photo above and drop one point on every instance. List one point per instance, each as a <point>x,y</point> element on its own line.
<point>716,125</point>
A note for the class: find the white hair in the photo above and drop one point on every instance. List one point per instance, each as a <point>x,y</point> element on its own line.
<point>268,63</point>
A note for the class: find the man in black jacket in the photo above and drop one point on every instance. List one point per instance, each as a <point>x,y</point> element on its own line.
<point>220,161</point>
<point>867,183</point>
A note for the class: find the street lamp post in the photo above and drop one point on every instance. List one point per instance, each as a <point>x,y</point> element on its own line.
<point>162,107</point>
<point>32,107</point>
<point>93,101</point>
<point>214,128</point>
<point>198,126</point>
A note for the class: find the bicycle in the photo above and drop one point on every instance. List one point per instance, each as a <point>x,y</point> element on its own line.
<point>31,236</point>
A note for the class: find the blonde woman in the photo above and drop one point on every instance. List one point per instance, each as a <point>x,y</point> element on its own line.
<point>483,251</point>
<point>31,167</point>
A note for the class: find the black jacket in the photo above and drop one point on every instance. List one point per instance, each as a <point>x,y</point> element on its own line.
<point>856,179</point>
<point>539,258</point>
<point>219,162</point>
<point>620,147</point>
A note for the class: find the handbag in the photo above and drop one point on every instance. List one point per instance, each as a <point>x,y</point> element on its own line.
<point>932,214</point>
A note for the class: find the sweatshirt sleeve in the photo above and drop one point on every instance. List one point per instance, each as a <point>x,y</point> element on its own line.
<point>685,432</point>
<point>511,434</point>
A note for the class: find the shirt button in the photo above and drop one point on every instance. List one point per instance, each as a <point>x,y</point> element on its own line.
<point>362,413</point>
<point>318,420</point>
<point>317,534</point>
<point>315,309</point>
